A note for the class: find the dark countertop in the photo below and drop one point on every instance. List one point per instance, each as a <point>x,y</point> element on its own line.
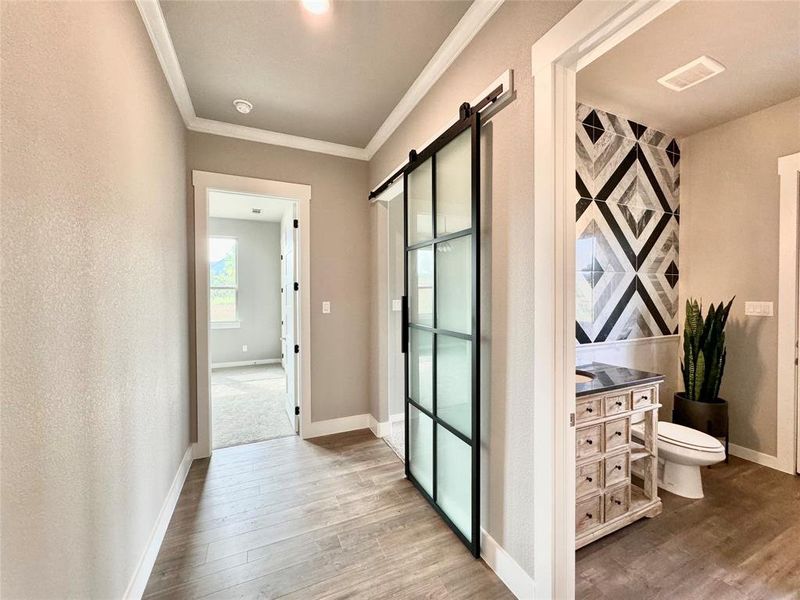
<point>612,377</point>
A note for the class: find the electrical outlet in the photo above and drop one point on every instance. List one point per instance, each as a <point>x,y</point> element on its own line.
<point>758,309</point>
<point>397,305</point>
<point>326,308</point>
<point>244,348</point>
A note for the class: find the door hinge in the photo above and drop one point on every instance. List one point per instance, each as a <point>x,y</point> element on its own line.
<point>296,349</point>
<point>296,410</point>
<point>572,419</point>
<point>296,286</point>
<point>296,224</point>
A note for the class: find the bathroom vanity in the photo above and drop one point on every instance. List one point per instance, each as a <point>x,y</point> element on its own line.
<point>616,474</point>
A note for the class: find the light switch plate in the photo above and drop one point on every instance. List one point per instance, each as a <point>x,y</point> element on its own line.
<point>758,309</point>
<point>397,305</point>
<point>244,348</point>
<point>326,308</point>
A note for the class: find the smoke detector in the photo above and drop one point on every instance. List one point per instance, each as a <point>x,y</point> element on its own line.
<point>690,74</point>
<point>256,211</point>
<point>243,106</point>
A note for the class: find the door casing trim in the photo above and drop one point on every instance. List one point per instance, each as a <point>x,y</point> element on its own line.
<point>203,182</point>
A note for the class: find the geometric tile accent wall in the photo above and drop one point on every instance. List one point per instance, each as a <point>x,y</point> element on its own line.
<point>627,217</point>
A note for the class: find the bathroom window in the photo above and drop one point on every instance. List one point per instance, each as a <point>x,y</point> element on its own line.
<point>223,280</point>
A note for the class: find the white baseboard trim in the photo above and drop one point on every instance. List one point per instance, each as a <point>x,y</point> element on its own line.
<point>506,568</point>
<point>380,428</point>
<point>340,425</point>
<point>142,573</point>
<point>245,363</point>
<point>759,458</point>
<point>397,418</point>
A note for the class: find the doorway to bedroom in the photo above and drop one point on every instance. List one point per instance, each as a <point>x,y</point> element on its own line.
<point>251,318</point>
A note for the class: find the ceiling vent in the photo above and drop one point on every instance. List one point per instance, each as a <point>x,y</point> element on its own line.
<point>691,74</point>
<point>256,211</point>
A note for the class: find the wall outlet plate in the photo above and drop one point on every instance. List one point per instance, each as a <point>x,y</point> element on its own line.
<point>244,348</point>
<point>326,308</point>
<point>758,309</point>
<point>397,305</point>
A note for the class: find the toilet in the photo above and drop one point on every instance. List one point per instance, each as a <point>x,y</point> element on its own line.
<point>681,453</point>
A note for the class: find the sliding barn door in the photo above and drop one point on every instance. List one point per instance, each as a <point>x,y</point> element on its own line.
<point>441,333</point>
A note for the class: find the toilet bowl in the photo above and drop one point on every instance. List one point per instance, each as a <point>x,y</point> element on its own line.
<point>681,453</point>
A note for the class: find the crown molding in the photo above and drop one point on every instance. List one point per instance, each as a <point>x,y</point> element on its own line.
<point>156,27</point>
<point>470,24</point>
<point>275,138</point>
<point>473,20</point>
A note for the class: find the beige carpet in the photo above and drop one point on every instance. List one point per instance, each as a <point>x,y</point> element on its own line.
<point>248,405</point>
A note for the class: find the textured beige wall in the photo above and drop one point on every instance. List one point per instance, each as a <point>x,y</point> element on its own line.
<point>340,230</point>
<point>729,246</point>
<point>94,343</point>
<point>504,42</point>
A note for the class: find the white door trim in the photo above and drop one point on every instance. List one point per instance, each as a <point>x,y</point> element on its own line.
<point>588,31</point>
<point>204,181</point>
<point>788,453</point>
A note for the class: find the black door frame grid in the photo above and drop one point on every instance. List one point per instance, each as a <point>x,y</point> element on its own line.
<point>469,118</point>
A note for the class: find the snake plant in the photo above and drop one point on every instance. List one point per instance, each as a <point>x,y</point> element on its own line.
<point>704,350</point>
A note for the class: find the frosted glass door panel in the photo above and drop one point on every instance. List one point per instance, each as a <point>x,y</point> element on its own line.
<point>420,448</point>
<point>420,204</point>
<point>454,382</point>
<point>454,479</point>
<point>420,367</point>
<point>420,286</point>
<point>454,284</point>
<point>454,185</point>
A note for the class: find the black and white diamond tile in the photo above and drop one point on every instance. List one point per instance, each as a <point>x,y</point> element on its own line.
<point>627,219</point>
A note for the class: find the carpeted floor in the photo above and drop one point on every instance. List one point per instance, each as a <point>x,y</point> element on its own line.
<point>248,405</point>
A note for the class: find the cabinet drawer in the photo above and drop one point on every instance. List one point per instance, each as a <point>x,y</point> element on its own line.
<point>587,479</point>
<point>587,441</point>
<point>617,501</point>
<point>588,409</point>
<point>617,403</point>
<point>588,513</point>
<point>617,468</point>
<point>643,397</point>
<point>617,433</point>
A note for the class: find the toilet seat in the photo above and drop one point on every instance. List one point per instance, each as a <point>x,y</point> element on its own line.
<point>682,437</point>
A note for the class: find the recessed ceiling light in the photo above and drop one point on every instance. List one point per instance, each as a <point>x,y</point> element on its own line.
<point>243,106</point>
<point>691,74</point>
<point>317,7</point>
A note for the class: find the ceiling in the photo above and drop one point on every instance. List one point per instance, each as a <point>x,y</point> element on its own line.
<point>227,205</point>
<point>334,77</point>
<point>758,42</point>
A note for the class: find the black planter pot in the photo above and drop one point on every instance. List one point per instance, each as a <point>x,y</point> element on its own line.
<point>708,417</point>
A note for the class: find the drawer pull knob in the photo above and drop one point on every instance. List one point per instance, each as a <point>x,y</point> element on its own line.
<point>589,479</point>
<point>618,467</point>
<point>618,433</point>
<point>589,409</point>
<point>588,515</point>
<point>617,502</point>
<point>643,398</point>
<point>619,403</point>
<point>589,442</point>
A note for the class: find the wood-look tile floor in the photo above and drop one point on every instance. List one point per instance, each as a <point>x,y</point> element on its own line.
<point>742,541</point>
<point>328,518</point>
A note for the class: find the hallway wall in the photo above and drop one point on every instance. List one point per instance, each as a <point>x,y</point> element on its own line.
<point>507,310</point>
<point>339,257</point>
<point>94,347</point>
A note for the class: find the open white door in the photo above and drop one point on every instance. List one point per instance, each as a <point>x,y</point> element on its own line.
<point>289,313</point>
